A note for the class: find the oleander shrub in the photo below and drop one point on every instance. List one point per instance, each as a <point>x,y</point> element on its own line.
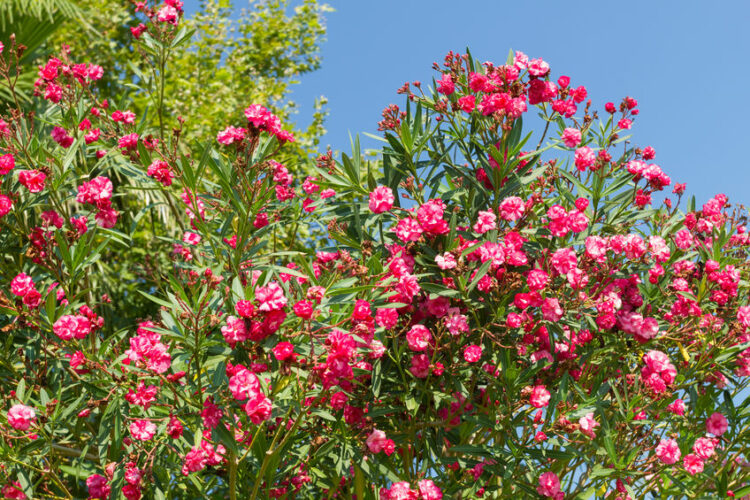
<point>485,310</point>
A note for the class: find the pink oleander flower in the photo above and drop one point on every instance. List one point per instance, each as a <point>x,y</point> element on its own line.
<point>98,486</point>
<point>69,327</point>
<point>408,230</point>
<point>21,417</point>
<point>191,238</point>
<point>704,448</point>
<point>377,442</point>
<point>258,408</point>
<point>549,485</point>
<point>584,158</point>
<point>159,170</point>
<point>692,464</point>
<point>142,429</point>
<point>677,407</point>
<point>512,208</point>
<point>381,199</point>
<point>571,137</point>
<point>551,310</point>
<point>418,338</point>
<point>446,261</point>
<point>60,136</point>
<point>270,297</point>
<point>168,14</point>
<point>428,490</point>
<point>22,285</point>
<point>33,180</point>
<point>283,351</point>
<point>588,425</point>
<point>717,424</point>
<point>485,222</point>
<point>244,384</point>
<point>539,397</point>
<point>231,135</point>
<point>234,331</point>
<point>386,317</point>
<point>420,365</point>
<point>668,451</point>
<point>7,163</point>
<point>472,353</point>
<point>446,85</point>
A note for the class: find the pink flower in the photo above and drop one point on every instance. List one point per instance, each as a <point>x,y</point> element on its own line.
<point>68,327</point>
<point>386,317</point>
<point>512,208</point>
<point>97,191</point>
<point>717,424</point>
<point>303,309</point>
<point>98,486</point>
<point>743,316</point>
<point>551,310</point>
<point>446,261</point>
<point>270,297</point>
<point>588,425</point>
<point>168,14</point>
<point>234,331</point>
<point>408,230</point>
<point>420,365</point>
<point>377,441</point>
<point>128,142</point>
<point>191,238</point>
<point>106,218</point>
<point>456,323</point>
<point>230,135</point>
<point>472,353</point>
<point>549,485</point>
<point>6,204</point>
<point>60,136</point>
<point>142,429</point>
<point>704,448</point>
<point>399,491</point>
<point>625,123</point>
<point>571,137</point>
<point>20,417</point>
<point>668,451</point>
<point>381,199</point>
<point>244,384</point>
<point>485,222</point>
<point>677,407</point>
<point>584,158</point>
<point>446,85</point>
<point>539,397</point>
<point>429,491</point>
<point>33,180</point>
<point>7,163</point>
<point>195,460</point>
<point>693,464</point>
<point>22,285</point>
<point>430,217</point>
<point>564,260</point>
<point>418,338</point>
<point>258,408</point>
<point>283,351</point>
<point>538,67</point>
<point>467,103</point>
<point>521,60</point>
<point>159,170</point>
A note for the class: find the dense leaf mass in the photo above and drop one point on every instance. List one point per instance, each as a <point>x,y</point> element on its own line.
<point>479,311</point>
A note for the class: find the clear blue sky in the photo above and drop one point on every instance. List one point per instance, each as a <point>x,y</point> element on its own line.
<point>685,62</point>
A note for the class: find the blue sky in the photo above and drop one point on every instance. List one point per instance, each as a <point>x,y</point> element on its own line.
<point>685,62</point>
